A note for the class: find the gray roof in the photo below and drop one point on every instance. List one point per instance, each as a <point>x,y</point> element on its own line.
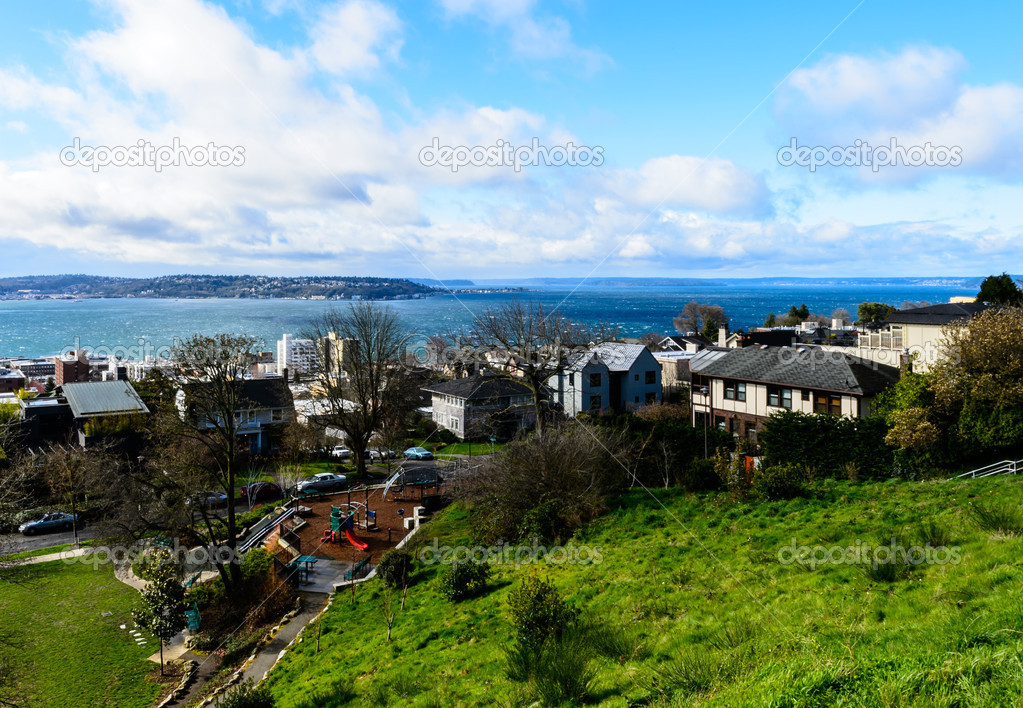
<point>800,367</point>
<point>617,356</point>
<point>942,314</point>
<point>479,387</point>
<point>99,398</point>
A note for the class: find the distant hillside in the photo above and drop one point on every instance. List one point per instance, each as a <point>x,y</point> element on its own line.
<point>218,286</point>
<point>433,283</point>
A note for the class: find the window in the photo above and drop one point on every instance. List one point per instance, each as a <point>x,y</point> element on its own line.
<point>651,377</point>
<point>571,379</point>
<point>806,395</point>
<point>637,399</point>
<point>277,415</point>
<point>454,423</point>
<point>779,397</point>
<point>651,398</point>
<point>735,391</point>
<point>595,380</point>
<point>733,426</point>
<point>636,378</point>
<point>595,401</point>
<point>828,404</point>
<point>719,422</point>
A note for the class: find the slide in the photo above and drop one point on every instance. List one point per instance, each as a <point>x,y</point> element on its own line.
<point>355,540</point>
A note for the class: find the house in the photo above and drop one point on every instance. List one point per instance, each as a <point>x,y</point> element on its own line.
<point>738,389</point>
<point>914,336</point>
<point>11,380</point>
<point>610,377</point>
<point>485,404</point>
<point>264,406</point>
<point>690,343</point>
<point>45,419</point>
<point>102,409</point>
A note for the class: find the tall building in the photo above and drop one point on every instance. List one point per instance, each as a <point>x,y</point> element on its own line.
<point>295,355</point>
<point>71,368</point>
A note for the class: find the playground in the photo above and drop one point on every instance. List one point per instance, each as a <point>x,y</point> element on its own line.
<point>386,527</point>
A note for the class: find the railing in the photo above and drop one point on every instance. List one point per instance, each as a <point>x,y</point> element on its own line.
<point>1003,467</point>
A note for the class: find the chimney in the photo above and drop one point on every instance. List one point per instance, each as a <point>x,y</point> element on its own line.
<point>722,336</point>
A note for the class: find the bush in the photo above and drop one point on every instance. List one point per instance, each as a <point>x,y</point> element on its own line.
<point>395,567</point>
<point>464,580</point>
<point>780,482</point>
<point>248,696</point>
<point>538,612</point>
<point>827,442</point>
<point>544,522</point>
<point>699,476</point>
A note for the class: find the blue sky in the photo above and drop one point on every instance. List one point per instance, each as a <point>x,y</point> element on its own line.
<point>687,103</point>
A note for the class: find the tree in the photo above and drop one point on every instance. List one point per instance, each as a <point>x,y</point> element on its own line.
<point>979,379</point>
<point>358,372</point>
<point>710,329</point>
<point>529,345</point>
<point>694,316</point>
<point>162,612</point>
<point>1000,290</point>
<point>212,371</point>
<point>771,320</point>
<point>841,314</point>
<point>873,313</point>
<point>652,340</point>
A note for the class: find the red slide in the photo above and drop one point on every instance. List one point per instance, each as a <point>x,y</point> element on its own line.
<point>355,540</point>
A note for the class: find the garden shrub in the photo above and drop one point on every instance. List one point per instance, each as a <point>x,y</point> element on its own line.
<point>395,567</point>
<point>464,580</point>
<point>780,482</point>
<point>538,612</point>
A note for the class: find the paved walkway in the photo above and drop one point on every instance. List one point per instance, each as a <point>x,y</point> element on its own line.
<point>312,604</point>
<point>60,555</point>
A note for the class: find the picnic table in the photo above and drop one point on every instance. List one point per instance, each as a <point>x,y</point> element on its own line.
<point>304,565</point>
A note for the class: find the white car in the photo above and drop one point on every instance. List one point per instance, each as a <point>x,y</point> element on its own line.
<point>381,454</point>
<point>323,482</point>
<point>341,452</point>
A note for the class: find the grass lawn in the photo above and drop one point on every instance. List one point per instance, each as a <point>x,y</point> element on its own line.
<point>60,548</point>
<point>706,614</point>
<point>72,655</point>
<point>462,448</point>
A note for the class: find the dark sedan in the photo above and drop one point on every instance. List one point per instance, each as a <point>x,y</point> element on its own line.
<point>261,490</point>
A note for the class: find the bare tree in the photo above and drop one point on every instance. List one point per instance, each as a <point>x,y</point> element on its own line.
<point>695,316</point>
<point>212,370</point>
<point>528,344</point>
<point>358,372</point>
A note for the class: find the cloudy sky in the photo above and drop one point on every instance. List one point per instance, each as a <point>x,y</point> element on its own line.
<point>673,114</point>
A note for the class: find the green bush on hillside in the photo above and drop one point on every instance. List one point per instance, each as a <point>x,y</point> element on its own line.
<point>395,567</point>
<point>463,581</point>
<point>780,482</point>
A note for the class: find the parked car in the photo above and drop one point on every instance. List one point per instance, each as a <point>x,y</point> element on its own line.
<point>380,454</point>
<point>261,490</point>
<point>418,453</point>
<point>341,452</point>
<point>208,499</point>
<point>322,483</point>
<point>55,521</point>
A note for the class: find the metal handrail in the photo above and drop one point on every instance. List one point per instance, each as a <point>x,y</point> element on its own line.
<point>1003,467</point>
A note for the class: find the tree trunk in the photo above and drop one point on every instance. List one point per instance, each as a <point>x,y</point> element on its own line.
<point>161,657</point>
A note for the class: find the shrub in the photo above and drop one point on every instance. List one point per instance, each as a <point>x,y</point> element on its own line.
<point>699,476</point>
<point>464,580</point>
<point>544,522</point>
<point>395,567</point>
<point>538,612</point>
<point>780,482</point>
<point>1005,519</point>
<point>248,696</point>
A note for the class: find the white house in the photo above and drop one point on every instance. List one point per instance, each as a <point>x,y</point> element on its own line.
<point>610,377</point>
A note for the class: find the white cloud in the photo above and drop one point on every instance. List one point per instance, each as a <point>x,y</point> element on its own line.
<point>531,35</point>
<point>351,36</point>
<point>915,97</point>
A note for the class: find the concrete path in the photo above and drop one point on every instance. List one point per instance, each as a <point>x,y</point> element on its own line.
<point>60,555</point>
<point>312,604</point>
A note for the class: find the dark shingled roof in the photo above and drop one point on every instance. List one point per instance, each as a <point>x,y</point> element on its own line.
<point>479,387</point>
<point>801,367</point>
<point>258,394</point>
<point>937,314</point>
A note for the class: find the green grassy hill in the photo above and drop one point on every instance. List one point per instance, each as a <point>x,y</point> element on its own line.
<point>696,609</point>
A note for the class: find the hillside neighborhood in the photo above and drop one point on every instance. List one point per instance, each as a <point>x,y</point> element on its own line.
<point>245,487</point>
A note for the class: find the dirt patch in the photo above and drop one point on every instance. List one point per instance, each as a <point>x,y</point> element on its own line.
<point>379,540</point>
